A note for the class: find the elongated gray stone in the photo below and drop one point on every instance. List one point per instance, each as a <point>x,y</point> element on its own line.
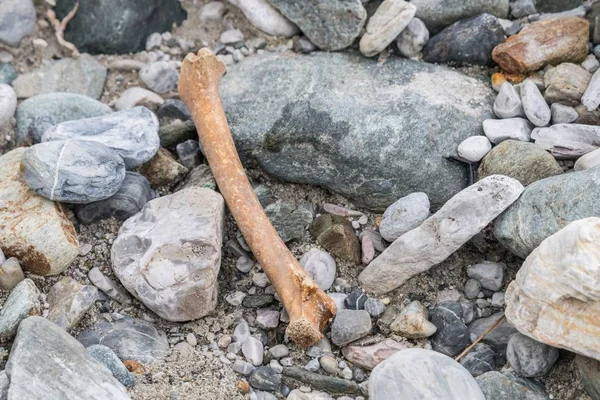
<point>562,114</point>
<point>22,302</point>
<point>461,218</point>
<point>133,194</point>
<point>568,141</point>
<point>108,286</point>
<point>498,130</point>
<point>391,18</point>
<point>508,103</point>
<point>591,96</point>
<point>327,113</point>
<point>73,171</point>
<point>133,133</point>
<point>47,363</point>
<point>534,104</point>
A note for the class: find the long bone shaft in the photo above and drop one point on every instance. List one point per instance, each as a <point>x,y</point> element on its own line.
<point>308,306</point>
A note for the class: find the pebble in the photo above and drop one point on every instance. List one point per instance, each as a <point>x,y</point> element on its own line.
<point>522,8</point>
<point>242,367</point>
<point>437,16</point>
<point>497,338</point>
<point>279,351</point>
<point>137,96</point>
<point>350,325</point>
<point>566,84</point>
<point>404,215</point>
<point>125,65</point>
<point>17,20</point>
<point>320,266</point>
<point>336,235</point>
<point>534,104</point>
<point>412,39</point>
<point>8,103</point>
<point>508,102</point>
<point>260,279</point>
<point>591,64</point>
<point>591,96</point>
<point>329,365</point>
<point>108,286</point>
<point>369,356</point>
<point>258,300</point>
<point>339,299</point>
<point>388,21</point>
<point>472,288</point>
<point>507,385</point>
<point>212,11</point>
<point>163,169</point>
<point>109,359</point>
<point>587,161</point>
<point>265,17</point>
<point>474,148</point>
<point>374,307</point>
<point>452,335</point>
<point>498,130</point>
<point>267,319</point>
<point>289,221</point>
<point>153,41</point>
<point>244,264</point>
<point>313,365</point>
<point>73,170</point>
<point>297,394</point>
<point>489,274</point>
<point>189,154</point>
<point>174,108</point>
<point>303,45</point>
<point>69,301</point>
<point>236,298</point>
<point>588,370</point>
<point>160,76</point>
<point>356,299</point>
<point>8,73</point>
<point>22,302</point>
<point>479,360</point>
<point>530,358</point>
<point>498,299</point>
<point>413,322</point>
<point>567,141</point>
<point>11,273</point>
<point>322,382</point>
<point>264,378</point>
<point>232,36</point>
<point>252,349</point>
<point>562,114</point>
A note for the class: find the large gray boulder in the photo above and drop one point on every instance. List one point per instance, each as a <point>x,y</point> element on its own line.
<point>546,207</point>
<point>371,132</point>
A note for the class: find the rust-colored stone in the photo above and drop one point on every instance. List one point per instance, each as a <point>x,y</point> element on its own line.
<point>243,387</point>
<point>309,308</point>
<point>544,43</point>
<point>134,367</point>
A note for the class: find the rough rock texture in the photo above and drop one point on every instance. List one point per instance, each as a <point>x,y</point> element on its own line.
<point>529,357</point>
<point>390,19</point>
<point>546,207</point>
<point>479,360</point>
<point>413,322</point>
<point>169,254</point>
<point>545,43</point>
<point>370,356</point>
<point>412,39</point>
<point>589,372</point>
<point>568,141</point>
<point>60,107</point>
<point>108,27</point>
<point>439,14</point>
<point>17,19</point>
<point>22,302</point>
<point>137,96</point>
<point>555,297</point>
<point>566,84</point>
<point>350,325</point>
<point>163,169</point>
<point>133,133</point>
<point>109,359</point>
<point>327,112</point>
<point>159,76</point>
<point>47,363</point>
<point>265,17</point>
<point>416,374</point>
<point>34,230</point>
<point>498,338</point>
<point>508,386</point>
<point>69,301</point>
<point>83,75</point>
<point>461,218</point>
<point>73,171</point>
<point>469,41</point>
<point>315,19</point>
<point>336,235</point>
<point>523,161</point>
<point>590,160</point>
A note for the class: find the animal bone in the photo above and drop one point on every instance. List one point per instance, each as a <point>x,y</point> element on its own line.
<point>308,306</point>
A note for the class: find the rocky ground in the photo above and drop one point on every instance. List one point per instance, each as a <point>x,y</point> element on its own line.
<point>411,116</point>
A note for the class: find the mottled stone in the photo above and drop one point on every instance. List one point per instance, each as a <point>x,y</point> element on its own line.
<point>412,39</point>
<point>337,236</point>
<point>22,302</point>
<point>350,325</point>
<point>522,8</point>
<point>369,357</point>
<point>34,230</point>
<point>498,130</point>
<point>390,19</point>
<point>264,378</point>
<point>320,266</point>
<point>562,114</point>
<point>489,274</point>
<point>17,20</point>
<point>451,335</point>
<point>508,386</point>
<point>200,176</point>
<point>174,108</point>
<point>536,108</point>
<point>163,170</point>
<point>566,84</point>
<point>290,222</point>
<point>160,76</point>
<point>73,170</point>
<point>69,301</point>
<point>523,161</point>
<point>530,358</point>
<point>11,273</point>
<point>189,153</point>
<point>461,218</point>
<point>109,359</point>
<point>508,103</point>
<point>413,322</point>
<point>479,360</point>
<point>404,215</point>
<point>38,127</point>
<point>589,371</point>
<point>265,17</point>
<point>252,349</point>
<point>545,43</point>
<point>169,254</point>
<point>568,141</point>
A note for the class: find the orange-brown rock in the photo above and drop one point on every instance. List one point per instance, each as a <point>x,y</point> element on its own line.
<point>134,367</point>
<point>544,43</point>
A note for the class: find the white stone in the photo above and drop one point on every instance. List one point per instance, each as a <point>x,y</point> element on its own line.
<point>591,96</point>
<point>461,218</point>
<point>587,161</point>
<point>8,103</point>
<point>267,319</point>
<point>154,41</point>
<point>499,130</point>
<point>534,104</point>
<point>555,297</point>
<point>508,103</point>
<point>339,299</point>
<point>562,114</point>
<point>137,96</point>
<point>413,322</point>
<point>267,18</point>
<point>320,266</point>
<point>169,254</point>
<point>391,18</point>
<point>404,215</point>
<point>212,11</point>
<point>474,148</point>
<point>253,351</point>
<point>591,64</point>
<point>568,141</point>
<point>160,76</point>
<point>412,39</point>
<point>231,36</point>
<point>297,394</point>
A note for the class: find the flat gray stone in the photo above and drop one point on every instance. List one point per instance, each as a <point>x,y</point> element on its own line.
<point>108,286</point>
<point>439,14</point>
<point>60,107</point>
<point>489,274</point>
<point>133,133</point>
<point>73,171</point>
<point>289,221</point>
<point>350,325</point>
<point>130,338</point>
<point>404,215</point>
<point>565,84</point>
<point>498,338</point>
<point>109,359</point>
<point>160,76</point>
<point>314,18</point>
<point>17,20</point>
<point>83,75</point>
<point>568,141</point>
<point>69,301</point>
<point>22,302</point>
<point>46,363</point>
<point>371,148</point>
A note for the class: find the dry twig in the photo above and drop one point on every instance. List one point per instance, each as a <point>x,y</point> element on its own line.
<point>480,338</point>
<point>60,26</point>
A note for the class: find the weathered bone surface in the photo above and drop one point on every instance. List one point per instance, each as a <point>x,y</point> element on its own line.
<point>555,297</point>
<point>308,306</point>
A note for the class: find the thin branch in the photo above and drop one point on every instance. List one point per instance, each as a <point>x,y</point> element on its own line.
<point>480,338</point>
<point>60,26</point>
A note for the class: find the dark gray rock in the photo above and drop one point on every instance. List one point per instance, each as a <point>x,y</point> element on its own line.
<point>289,222</point>
<point>47,363</point>
<point>589,371</point>
<point>322,382</point>
<point>315,17</point>
<point>22,302</point>
<point>73,171</point>
<point>479,360</point>
<point>498,338</point>
<point>8,73</point>
<point>350,325</point>
<point>174,108</point>
<point>345,134</point>
<point>108,26</point>
<point>356,299</point>
<point>38,127</point>
<point>530,358</point>
<point>469,41</point>
<point>59,106</point>
<point>522,8</point>
<point>200,176</point>
<point>258,300</point>
<point>508,386</point>
<point>129,338</point>
<point>547,206</point>
<point>264,378</point>
<point>452,335</point>
<point>109,359</point>
<point>439,14</point>
<point>133,194</point>
<point>160,76</point>
<point>133,133</point>
<point>17,20</point>
<point>552,6</point>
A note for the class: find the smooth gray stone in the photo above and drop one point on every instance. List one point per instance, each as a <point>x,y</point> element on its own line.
<point>11,273</point>
<point>552,6</point>
<point>371,148</point>
<point>73,171</point>
<point>17,20</point>
<point>439,14</point>
<point>133,194</point>
<point>568,141</point>
<point>109,359</point>
<point>264,378</point>
<point>546,207</point>
<point>160,76</point>
<point>591,97</point>
<point>479,360</point>
<point>508,386</point>
<point>174,108</point>
<point>189,153</point>
<point>499,130</point>
<point>83,75</point>
<point>508,103</point>
<point>534,104</point>
<point>60,107</point>
<point>418,374</point>
<point>498,338</point>
<point>404,215</point>
<point>130,338</point>
<point>562,114</point>
<point>22,302</point>
<point>320,266</point>
<point>315,19</point>
<point>68,302</point>
<point>108,286</point>
<point>47,363</point>
<point>452,335</point>
<point>530,358</point>
<point>472,288</point>
<point>350,325</point>
<point>133,133</point>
